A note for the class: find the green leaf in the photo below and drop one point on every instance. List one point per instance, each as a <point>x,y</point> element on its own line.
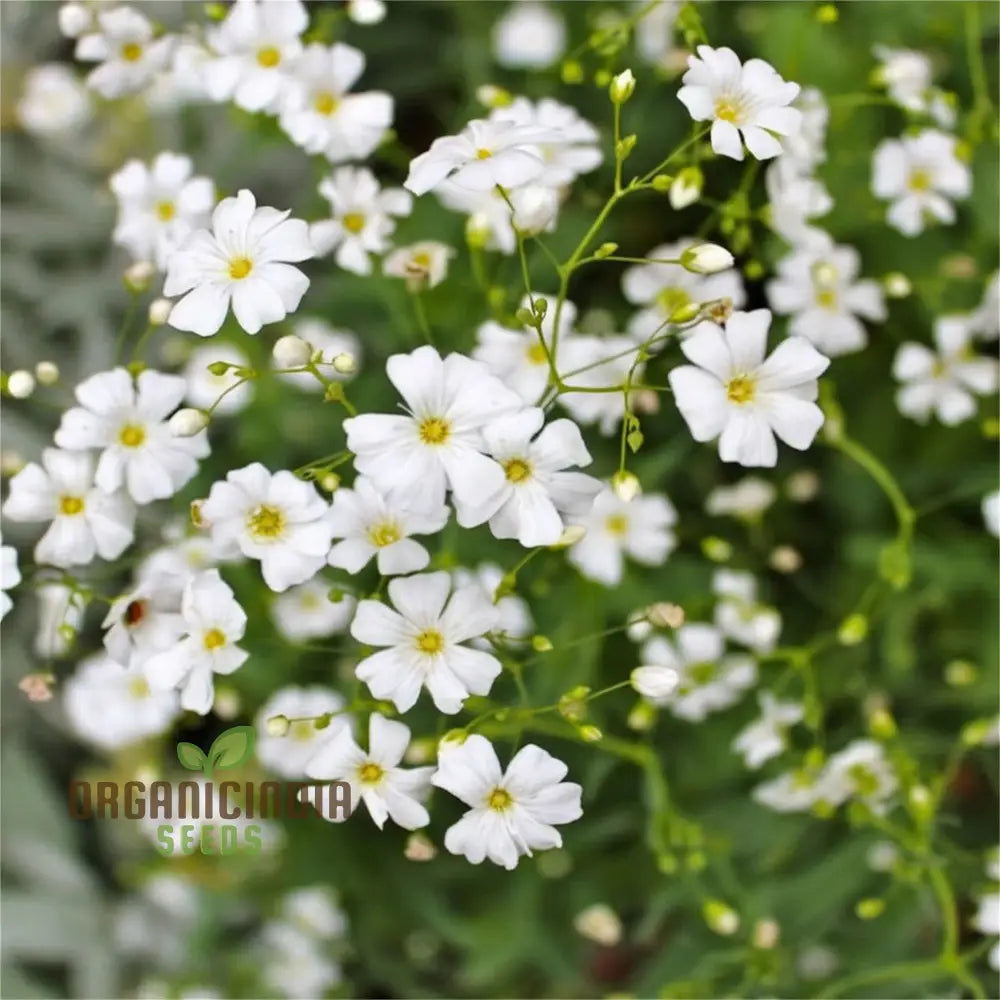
<point>233,747</point>
<point>191,756</point>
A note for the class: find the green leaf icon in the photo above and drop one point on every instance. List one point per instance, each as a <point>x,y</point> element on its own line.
<point>232,748</point>
<point>191,756</point>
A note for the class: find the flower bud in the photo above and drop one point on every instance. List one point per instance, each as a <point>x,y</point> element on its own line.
<point>622,87</point>
<point>686,188</point>
<point>626,486</point>
<point>74,19</point>
<point>921,803</point>
<point>47,372</point>
<point>720,918</point>
<point>853,630</point>
<point>590,734</point>
<point>159,311</point>
<point>572,533</point>
<point>642,717</point>
<point>802,486</point>
<point>419,848</point>
<point>492,96</point>
<point>291,352</point>
<point>36,687</point>
<point>187,422</point>
<point>600,924</point>
<point>766,934</point>
<point>662,182</point>
<point>227,703</point>
<point>897,285</point>
<point>20,384</point>
<point>138,276</point>
<point>785,559</point>
<point>345,364</point>
<point>541,644</point>
<point>571,72</point>
<point>685,313</point>
<point>869,909</point>
<point>960,673</point>
<point>535,209</point>
<point>717,549</point>
<point>654,682</point>
<point>881,724</point>
<point>278,725</point>
<point>477,231</point>
<point>330,482</point>
<point>665,615</point>
<point>605,250</point>
<point>706,258</point>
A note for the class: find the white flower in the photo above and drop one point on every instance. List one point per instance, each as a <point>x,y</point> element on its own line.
<point>77,18</point>
<point>288,755</point>
<point>512,812</point>
<point>274,517</point>
<point>366,11</point>
<point>597,362</point>
<point>765,737</point>
<point>806,149</point>
<point>110,706</point>
<point>372,524</point>
<point>326,343</point>
<point>10,576</point>
<point>986,920</point>
<point>256,44</point>
<point>423,264</point>
<point>159,206</point>
<point>746,103</point>
<point>306,611</point>
<point>214,624</point>
<point>363,217</point>
<point>226,393</point>
<point>795,199</point>
<point>654,32</point>
<point>655,683</point>
<point>321,116</point>
<point>375,777</point>
<point>183,556</point>
<point>985,320</point>
<point>86,520</point>
<point>314,910</point>
<point>145,621</point>
<point>943,383</point>
<point>708,679</point>
<point>424,643</point>
<point>907,77</point>
<point>738,614</point>
<point>539,497</point>
<point>489,214</point>
<point>486,153</point>
<point>818,288</point>
<point>529,36</point>
<point>793,791</point>
<point>129,423</point>
<point>747,499</point>
<point>514,621</point>
<point>294,964</point>
<point>861,770</point>
<point>737,396</point>
<point>921,175</point>
<point>991,513</point>
<point>437,445</point>
<point>183,81</point>
<point>54,101</point>
<point>663,289</point>
<point>124,46</point>
<point>245,259</point>
<point>60,611</point>
<point>639,529</point>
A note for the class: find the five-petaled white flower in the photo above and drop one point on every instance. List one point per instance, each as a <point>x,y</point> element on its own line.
<point>745,102</point>
<point>424,642</point>
<point>921,175</point>
<point>438,444</point>
<point>274,517</point>
<point>737,396</point>
<point>86,520</point>
<point>738,613</point>
<point>423,264</point>
<point>246,259</point>
<point>289,753</point>
<point>512,812</point>
<point>128,422</point>
<point>530,35</point>
<point>765,737</point>
<point>128,53</point>
<point>944,383</point>
<point>214,623</point>
<point>159,206</point>
<point>375,777</point>
<point>308,611</point>
<point>144,621</point>
<point>54,102</point>
<point>363,217</point>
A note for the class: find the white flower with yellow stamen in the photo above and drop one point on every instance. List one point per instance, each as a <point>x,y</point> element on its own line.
<point>512,813</point>
<point>733,393</point>
<point>128,53</point>
<point>308,611</point>
<point>424,642</point>
<point>128,421</point>
<point>274,517</point>
<point>214,624</point>
<point>423,264</point>
<point>288,754</point>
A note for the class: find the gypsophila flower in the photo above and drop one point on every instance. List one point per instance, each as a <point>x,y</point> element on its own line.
<point>746,102</point>
<point>363,218</point>
<point>424,643</point>
<point>10,577</point>
<point>495,227</point>
<point>375,777</point>
<point>861,770</point>
<point>991,513</point>
<point>598,363</point>
<point>986,919</point>
<point>144,621</point>
<point>512,813</point>
<point>245,260</point>
<point>307,611</point>
<point>530,35</point>
<point>985,319</point>
<point>907,77</point>
<point>736,395</point>
<point>60,614</point>
<point>274,517</point>
<point>514,620</point>
<point>922,176</point>
<point>325,343</point>
<point>746,499</point>
<point>225,394</point>
<point>314,910</point>
<point>423,264</point>
<point>86,521</point>
<point>639,529</point>
<point>294,964</point>
<point>289,754</point>
<point>366,11</point>
<point>738,614</point>
<point>129,55</point>
<point>793,791</point>
<point>54,102</point>
<point>945,383</point>
<point>765,737</point>
<point>654,33</point>
<point>794,200</point>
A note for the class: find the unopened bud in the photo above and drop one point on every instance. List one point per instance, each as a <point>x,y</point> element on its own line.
<point>897,285</point>
<point>20,384</point>
<point>477,231</point>
<point>626,486</point>
<point>47,372</point>
<point>600,924</point>
<point>881,724</point>
<point>541,644</point>
<point>642,717</point>
<point>622,87</point>
<point>766,934</point>
<point>159,311</point>
<point>291,352</point>
<point>665,615</point>
<point>921,803</point>
<point>624,147</point>
<point>853,630</point>
<point>571,535</point>
<point>195,510</point>
<point>590,734</point>
<point>686,187</point>
<point>138,276</point>
<point>717,549</point>
<point>419,848</point>
<point>571,72</point>
<point>605,250</point>
<point>187,422</point>
<point>870,909</point>
<point>330,482</point>
<point>36,687</point>
<point>802,486</point>
<point>654,682</point>
<point>344,364</point>
<point>785,559</point>
<point>685,313</point>
<point>492,96</point>
<point>721,918</point>
<point>278,725</point>
<point>706,258</point>
<point>662,182</point>
<point>227,704</point>
<point>960,673</point>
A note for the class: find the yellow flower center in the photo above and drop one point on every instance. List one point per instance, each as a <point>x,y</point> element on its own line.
<point>701,673</point>
<point>325,102</point>
<point>381,535</point>
<point>827,298</point>
<point>240,267</point>
<point>483,154</point>
<point>617,524</point>
<point>214,638</point>
<point>430,641</point>
<point>138,688</point>
<point>70,505</point>
<point>266,523</point>
<point>421,260</point>
<point>517,470</point>
<point>131,52</point>
<point>165,211</point>
<point>370,773</point>
<point>499,799</point>
<point>309,601</point>
<point>536,354</point>
<point>920,180</point>
<point>741,389</point>
<point>301,732</point>
<point>132,435</point>
<point>354,222</point>
<point>728,109</point>
<point>669,300</point>
<point>434,430</point>
<point>939,369</point>
<point>268,57</point>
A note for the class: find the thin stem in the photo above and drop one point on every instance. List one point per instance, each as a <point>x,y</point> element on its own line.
<point>421,314</point>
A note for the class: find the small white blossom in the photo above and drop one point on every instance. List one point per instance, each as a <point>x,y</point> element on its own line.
<point>314,910</point>
<point>861,770</point>
<point>738,614</point>
<point>144,621</point>
<point>747,499</point>
<point>423,264</point>
<point>991,513</point>
<point>293,963</point>
<point>10,576</point>
<point>765,737</point>
<point>366,11</point>
<point>985,319</point>
<point>289,754</point>
<point>514,621</point>
<point>326,344</point>
<point>908,78</point>
<point>306,611</point>
<point>54,102</point>
<point>530,35</point>
<point>124,45</point>
<point>204,389</point>
<point>536,208</point>
<point>795,199</point>
<point>598,362</point>
<point>654,32</point>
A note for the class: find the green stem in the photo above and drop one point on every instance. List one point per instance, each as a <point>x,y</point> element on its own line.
<point>421,314</point>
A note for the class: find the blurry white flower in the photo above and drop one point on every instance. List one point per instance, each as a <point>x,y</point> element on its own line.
<point>245,260</point>
<point>600,924</point>
<point>685,189</point>
<point>514,621</point>
<point>366,11</point>
<point>20,384</point>
<point>921,175</point>
<point>706,258</point>
<point>985,320</point>
<point>817,962</point>
<point>123,44</point>
<point>738,614</point>
<point>736,395</point>
<point>10,576</point>
<point>288,755</point>
<point>60,614</point>
<point>597,362</point>
<point>423,642</point>
<point>328,343</point>
<point>795,199</point>
<point>529,36</point>
<point>423,264</point>
<point>294,964</point>
<point>363,218</point>
<point>204,389</point>
<point>991,513</point>
<point>76,18</point>
<point>536,208</point>
<point>746,103</point>
<point>54,101</point>
<point>861,770</point>
<point>512,812</point>
<point>793,791</point>
<point>882,856</point>
<point>748,498</point>
<point>765,737</point>
<point>907,76</point>
<point>654,32</point>
<point>306,611</point>
<point>144,621</point>
<point>291,351</point>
